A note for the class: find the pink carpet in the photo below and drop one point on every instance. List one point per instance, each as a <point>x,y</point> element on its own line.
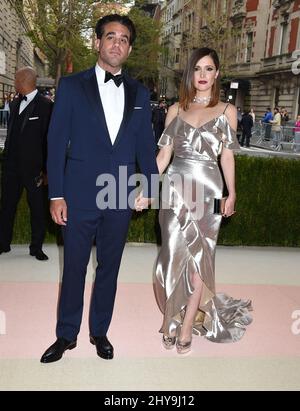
<point>30,310</point>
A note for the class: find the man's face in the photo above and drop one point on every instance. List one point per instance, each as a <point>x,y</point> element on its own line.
<point>18,83</point>
<point>113,47</point>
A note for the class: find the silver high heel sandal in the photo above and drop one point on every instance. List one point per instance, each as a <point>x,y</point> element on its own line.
<point>168,342</point>
<point>183,347</point>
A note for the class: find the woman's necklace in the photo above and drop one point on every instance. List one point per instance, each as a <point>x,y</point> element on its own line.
<point>202,100</point>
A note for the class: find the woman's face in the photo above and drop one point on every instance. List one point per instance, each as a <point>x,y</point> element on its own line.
<point>205,74</point>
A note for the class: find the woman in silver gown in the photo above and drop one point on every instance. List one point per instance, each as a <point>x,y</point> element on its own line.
<point>197,129</point>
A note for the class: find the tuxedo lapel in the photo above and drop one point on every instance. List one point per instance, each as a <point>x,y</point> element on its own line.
<point>91,89</point>
<point>14,112</point>
<point>28,111</point>
<point>130,90</point>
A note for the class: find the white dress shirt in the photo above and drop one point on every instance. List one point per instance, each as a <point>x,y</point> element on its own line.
<point>30,97</point>
<point>113,101</point>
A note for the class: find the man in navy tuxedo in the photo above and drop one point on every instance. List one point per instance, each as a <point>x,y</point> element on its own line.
<point>101,121</point>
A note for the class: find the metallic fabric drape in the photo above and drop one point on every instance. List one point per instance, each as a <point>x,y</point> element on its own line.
<point>190,230</point>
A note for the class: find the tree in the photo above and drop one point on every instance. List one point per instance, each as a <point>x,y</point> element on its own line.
<point>218,34</point>
<point>57,27</point>
<point>213,29</point>
<point>143,61</point>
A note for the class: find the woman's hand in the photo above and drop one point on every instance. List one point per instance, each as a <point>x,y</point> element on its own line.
<point>229,206</point>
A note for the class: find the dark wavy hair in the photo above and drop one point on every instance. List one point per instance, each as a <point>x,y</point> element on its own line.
<point>124,20</point>
<point>187,89</point>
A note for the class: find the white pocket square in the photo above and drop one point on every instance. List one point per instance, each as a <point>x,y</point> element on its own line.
<point>33,118</point>
<point>138,108</point>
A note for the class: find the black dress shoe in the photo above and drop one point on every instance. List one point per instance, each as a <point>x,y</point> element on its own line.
<point>55,352</point>
<point>39,255</point>
<point>104,348</point>
<point>4,249</point>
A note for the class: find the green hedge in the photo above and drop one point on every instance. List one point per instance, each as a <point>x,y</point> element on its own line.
<point>268,208</point>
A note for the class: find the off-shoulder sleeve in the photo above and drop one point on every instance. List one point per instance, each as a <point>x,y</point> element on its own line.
<point>229,137</point>
<point>165,139</point>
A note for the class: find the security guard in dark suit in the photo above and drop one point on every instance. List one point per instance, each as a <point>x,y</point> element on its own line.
<point>24,164</point>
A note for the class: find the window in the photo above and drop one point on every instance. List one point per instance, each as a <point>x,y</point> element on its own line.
<point>238,47</point>
<point>166,57</point>
<point>283,38</point>
<point>276,97</point>
<point>213,8</point>
<point>249,47</point>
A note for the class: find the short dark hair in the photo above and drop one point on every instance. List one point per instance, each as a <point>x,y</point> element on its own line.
<point>124,20</point>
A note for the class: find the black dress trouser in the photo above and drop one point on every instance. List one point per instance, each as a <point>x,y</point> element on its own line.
<point>13,184</point>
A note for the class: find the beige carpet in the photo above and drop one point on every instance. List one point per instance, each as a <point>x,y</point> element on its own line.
<point>268,357</point>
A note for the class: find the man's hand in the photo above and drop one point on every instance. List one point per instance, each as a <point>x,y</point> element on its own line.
<point>142,202</point>
<point>58,211</point>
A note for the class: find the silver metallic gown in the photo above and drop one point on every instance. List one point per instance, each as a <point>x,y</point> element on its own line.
<point>190,232</point>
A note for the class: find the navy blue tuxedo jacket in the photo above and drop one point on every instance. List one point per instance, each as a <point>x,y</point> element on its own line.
<point>79,146</point>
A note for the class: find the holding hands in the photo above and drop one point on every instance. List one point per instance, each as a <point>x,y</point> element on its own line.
<point>142,202</point>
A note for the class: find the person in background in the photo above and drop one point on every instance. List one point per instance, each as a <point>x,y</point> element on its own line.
<point>6,109</point>
<point>239,126</point>
<point>276,128</point>
<point>297,134</point>
<point>24,164</point>
<point>48,95</point>
<point>158,119</point>
<point>246,124</point>
<point>252,114</point>
<point>266,120</point>
<point>12,97</point>
<point>284,116</point>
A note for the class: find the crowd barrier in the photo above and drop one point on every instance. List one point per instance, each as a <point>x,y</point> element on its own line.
<point>287,138</point>
<point>3,118</point>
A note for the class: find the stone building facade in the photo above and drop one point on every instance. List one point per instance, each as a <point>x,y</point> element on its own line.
<point>269,42</point>
<point>16,49</point>
<point>266,46</point>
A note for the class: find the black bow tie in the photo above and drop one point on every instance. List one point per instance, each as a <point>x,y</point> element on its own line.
<point>23,98</point>
<point>118,79</point>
